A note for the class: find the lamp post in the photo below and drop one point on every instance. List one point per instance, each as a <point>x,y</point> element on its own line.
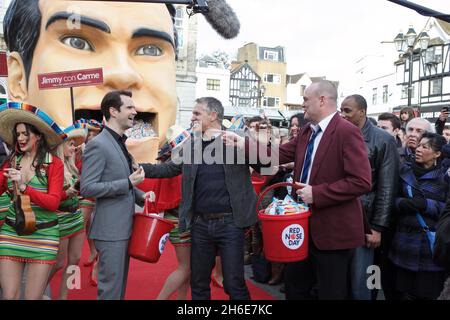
<point>405,45</point>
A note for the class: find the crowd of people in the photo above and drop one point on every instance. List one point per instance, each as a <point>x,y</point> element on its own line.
<point>376,193</point>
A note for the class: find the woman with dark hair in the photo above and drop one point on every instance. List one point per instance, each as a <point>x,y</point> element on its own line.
<point>39,175</point>
<point>406,114</point>
<point>423,192</point>
<point>295,124</point>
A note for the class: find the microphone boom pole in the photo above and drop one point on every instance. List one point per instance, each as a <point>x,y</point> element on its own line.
<point>423,10</point>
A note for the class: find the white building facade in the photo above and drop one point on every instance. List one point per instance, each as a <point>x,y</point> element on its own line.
<point>213,79</point>
<point>187,49</point>
<point>375,79</point>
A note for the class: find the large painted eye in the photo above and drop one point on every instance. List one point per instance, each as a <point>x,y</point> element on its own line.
<point>149,50</point>
<point>77,43</point>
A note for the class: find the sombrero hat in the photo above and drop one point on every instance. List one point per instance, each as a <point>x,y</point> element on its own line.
<point>77,132</point>
<point>12,113</point>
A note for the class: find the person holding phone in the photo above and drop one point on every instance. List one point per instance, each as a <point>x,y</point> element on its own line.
<point>111,175</point>
<point>440,122</point>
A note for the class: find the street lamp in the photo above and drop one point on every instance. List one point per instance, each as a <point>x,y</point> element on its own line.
<point>405,45</point>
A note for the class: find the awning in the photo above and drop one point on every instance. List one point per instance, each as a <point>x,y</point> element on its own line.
<point>287,114</point>
<point>272,114</point>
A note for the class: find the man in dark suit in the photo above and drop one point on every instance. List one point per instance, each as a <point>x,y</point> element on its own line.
<point>110,175</point>
<point>332,169</point>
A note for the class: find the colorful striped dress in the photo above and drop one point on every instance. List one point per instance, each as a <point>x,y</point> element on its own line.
<point>70,223</point>
<point>42,245</point>
<point>4,206</point>
<point>87,203</point>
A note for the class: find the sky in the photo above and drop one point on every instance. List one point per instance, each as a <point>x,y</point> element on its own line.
<point>321,37</point>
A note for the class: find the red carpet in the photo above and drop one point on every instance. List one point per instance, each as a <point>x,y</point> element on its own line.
<point>145,280</point>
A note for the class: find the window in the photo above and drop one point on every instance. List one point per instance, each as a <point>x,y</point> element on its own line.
<point>2,90</point>
<point>374,96</point>
<point>302,90</point>
<point>405,91</point>
<point>271,102</point>
<point>179,17</point>
<point>244,102</point>
<point>270,55</point>
<point>179,26</point>
<point>244,87</point>
<point>385,94</point>
<point>436,87</point>
<point>272,78</point>
<point>213,84</point>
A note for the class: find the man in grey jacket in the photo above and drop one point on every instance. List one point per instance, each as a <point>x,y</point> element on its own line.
<point>377,204</point>
<point>110,175</point>
<point>218,201</point>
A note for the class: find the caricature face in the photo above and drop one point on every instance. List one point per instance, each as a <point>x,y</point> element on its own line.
<point>133,43</point>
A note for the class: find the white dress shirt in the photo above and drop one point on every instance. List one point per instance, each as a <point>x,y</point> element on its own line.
<point>323,126</point>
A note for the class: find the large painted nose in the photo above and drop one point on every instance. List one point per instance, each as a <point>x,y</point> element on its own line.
<point>121,73</point>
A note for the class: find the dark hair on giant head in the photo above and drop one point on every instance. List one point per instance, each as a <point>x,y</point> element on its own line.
<point>21,28</point>
<point>437,143</point>
<point>22,25</point>
<point>42,149</point>
<point>387,116</point>
<point>113,100</point>
<point>213,105</point>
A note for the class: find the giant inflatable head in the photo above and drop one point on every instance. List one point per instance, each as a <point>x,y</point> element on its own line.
<point>134,43</point>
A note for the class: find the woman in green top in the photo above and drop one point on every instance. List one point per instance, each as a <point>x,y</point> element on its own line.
<point>39,175</point>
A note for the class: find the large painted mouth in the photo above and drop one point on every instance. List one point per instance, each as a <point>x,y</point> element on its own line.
<point>144,123</point>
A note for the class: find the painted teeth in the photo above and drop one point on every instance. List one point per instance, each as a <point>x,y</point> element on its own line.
<point>141,130</point>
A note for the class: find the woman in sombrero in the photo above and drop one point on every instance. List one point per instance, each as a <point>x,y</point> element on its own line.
<point>70,217</point>
<point>38,174</point>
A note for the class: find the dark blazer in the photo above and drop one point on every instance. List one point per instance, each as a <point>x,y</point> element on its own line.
<point>340,174</point>
<point>105,177</point>
<point>237,180</point>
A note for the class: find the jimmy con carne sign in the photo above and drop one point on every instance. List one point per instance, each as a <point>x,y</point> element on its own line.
<point>67,79</point>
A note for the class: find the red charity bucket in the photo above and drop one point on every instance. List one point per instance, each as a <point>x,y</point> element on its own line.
<point>150,234</point>
<point>257,184</point>
<point>285,237</point>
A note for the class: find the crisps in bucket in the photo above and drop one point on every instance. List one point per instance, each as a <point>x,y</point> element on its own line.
<point>286,206</point>
<point>285,228</point>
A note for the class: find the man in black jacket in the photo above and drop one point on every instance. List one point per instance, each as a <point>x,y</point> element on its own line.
<point>377,204</point>
<point>218,201</point>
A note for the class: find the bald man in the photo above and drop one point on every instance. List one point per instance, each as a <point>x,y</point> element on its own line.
<point>332,170</point>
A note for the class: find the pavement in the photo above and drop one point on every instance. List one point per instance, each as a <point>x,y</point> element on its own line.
<point>273,290</point>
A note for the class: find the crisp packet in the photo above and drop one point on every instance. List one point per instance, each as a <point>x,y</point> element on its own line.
<point>271,208</point>
<point>287,206</point>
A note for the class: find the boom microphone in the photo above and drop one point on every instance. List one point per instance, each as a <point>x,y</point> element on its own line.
<point>222,18</point>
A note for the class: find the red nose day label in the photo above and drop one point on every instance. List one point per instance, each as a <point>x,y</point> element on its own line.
<point>293,236</point>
